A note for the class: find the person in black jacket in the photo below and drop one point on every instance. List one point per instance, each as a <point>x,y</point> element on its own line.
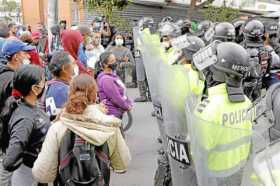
<point>13,55</point>
<point>16,54</point>
<point>28,125</point>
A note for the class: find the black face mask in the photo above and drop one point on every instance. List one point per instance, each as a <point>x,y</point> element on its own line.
<point>113,66</point>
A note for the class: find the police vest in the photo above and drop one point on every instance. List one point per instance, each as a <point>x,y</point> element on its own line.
<point>260,57</point>
<point>224,131</point>
<point>196,82</point>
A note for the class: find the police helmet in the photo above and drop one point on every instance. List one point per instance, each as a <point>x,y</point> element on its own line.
<point>146,22</point>
<point>195,44</point>
<point>254,29</point>
<point>167,19</point>
<point>272,32</point>
<point>169,29</point>
<point>184,25</point>
<point>272,28</point>
<point>202,27</point>
<point>239,26</point>
<point>232,59</point>
<point>224,32</point>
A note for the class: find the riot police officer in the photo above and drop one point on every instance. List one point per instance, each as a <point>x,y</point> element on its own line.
<point>224,31</point>
<point>167,31</point>
<point>185,25</point>
<point>273,46</point>
<point>272,36</point>
<point>203,28</point>
<point>222,127</point>
<point>177,81</point>
<point>259,58</point>
<point>238,25</point>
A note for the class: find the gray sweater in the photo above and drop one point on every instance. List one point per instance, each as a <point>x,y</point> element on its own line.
<point>121,52</point>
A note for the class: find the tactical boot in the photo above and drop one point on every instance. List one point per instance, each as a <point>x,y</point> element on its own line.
<point>142,90</point>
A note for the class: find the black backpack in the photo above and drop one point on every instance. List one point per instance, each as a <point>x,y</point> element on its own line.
<point>81,163</point>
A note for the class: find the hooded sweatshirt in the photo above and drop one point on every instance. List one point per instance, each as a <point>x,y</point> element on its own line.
<point>6,79</point>
<point>93,126</point>
<point>112,94</point>
<point>71,40</point>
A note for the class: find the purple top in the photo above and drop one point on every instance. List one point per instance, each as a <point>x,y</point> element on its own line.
<point>112,94</point>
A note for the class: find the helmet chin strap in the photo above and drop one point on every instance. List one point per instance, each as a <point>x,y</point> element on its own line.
<point>234,90</point>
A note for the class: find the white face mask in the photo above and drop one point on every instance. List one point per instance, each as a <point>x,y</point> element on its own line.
<point>119,42</point>
<point>26,61</point>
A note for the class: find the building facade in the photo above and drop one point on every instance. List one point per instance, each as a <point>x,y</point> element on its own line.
<point>75,11</point>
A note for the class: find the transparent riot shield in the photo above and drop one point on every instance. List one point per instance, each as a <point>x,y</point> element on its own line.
<point>152,60</point>
<point>140,69</point>
<point>266,160</point>
<point>174,88</point>
<point>221,154</point>
<point>149,46</point>
<point>266,166</point>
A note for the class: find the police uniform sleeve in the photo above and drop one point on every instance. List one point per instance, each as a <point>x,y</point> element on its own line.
<point>205,117</point>
<point>19,136</point>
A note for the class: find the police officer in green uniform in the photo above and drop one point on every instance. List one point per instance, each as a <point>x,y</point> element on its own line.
<point>167,31</point>
<point>178,79</point>
<point>221,128</point>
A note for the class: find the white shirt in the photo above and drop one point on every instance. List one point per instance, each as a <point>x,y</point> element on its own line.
<point>93,55</point>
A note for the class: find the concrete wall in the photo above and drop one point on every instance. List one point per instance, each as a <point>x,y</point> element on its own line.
<point>35,11</point>
<point>31,12</point>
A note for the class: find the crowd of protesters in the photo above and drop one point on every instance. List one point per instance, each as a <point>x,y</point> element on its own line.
<point>71,85</point>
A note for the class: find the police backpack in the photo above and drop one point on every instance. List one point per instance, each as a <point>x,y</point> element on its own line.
<point>82,163</point>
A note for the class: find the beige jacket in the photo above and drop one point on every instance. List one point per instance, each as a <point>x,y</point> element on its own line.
<point>93,126</point>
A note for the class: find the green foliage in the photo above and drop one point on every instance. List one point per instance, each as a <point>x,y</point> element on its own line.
<point>107,7</point>
<point>9,6</point>
<point>220,14</point>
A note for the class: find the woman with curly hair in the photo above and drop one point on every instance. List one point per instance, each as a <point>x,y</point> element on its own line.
<point>88,122</point>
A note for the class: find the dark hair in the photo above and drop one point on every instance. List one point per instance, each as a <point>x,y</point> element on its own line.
<point>82,93</point>
<point>26,37</point>
<point>84,30</point>
<point>103,59</point>
<point>4,30</point>
<point>114,38</point>
<point>59,59</point>
<point>27,76</point>
<point>11,25</point>
<point>55,29</point>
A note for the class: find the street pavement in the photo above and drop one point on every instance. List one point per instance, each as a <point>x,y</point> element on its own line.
<point>142,141</point>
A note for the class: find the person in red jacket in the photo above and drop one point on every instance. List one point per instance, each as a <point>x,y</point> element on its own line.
<point>35,59</point>
<point>71,40</point>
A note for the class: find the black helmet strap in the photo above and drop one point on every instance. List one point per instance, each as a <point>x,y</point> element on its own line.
<point>234,89</point>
